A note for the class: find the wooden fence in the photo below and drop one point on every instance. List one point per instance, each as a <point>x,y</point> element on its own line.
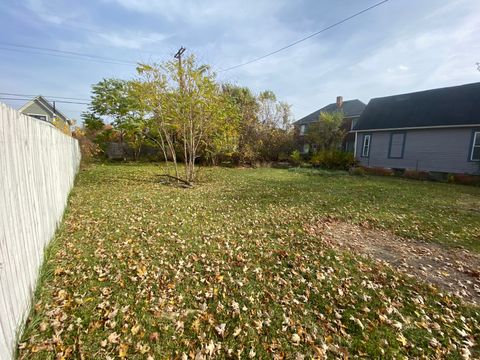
<point>38,164</point>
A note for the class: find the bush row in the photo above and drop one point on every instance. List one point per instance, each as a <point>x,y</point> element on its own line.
<point>326,159</point>
<point>464,179</point>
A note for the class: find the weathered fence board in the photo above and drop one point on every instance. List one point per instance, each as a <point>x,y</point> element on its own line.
<point>38,165</point>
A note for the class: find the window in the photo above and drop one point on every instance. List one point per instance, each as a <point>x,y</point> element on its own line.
<point>306,148</point>
<point>354,122</point>
<point>303,128</point>
<point>366,145</point>
<point>397,145</point>
<point>475,155</point>
<point>38,116</point>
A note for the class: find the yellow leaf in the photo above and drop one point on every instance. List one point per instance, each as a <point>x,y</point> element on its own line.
<point>142,271</point>
<point>135,329</point>
<point>402,339</point>
<point>196,325</point>
<point>122,351</point>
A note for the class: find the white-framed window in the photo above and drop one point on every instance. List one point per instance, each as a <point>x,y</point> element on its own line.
<point>475,154</point>
<point>354,122</point>
<point>306,148</point>
<point>366,145</point>
<point>303,129</point>
<point>39,116</point>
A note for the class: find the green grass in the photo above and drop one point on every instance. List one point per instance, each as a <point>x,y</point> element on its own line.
<point>141,269</point>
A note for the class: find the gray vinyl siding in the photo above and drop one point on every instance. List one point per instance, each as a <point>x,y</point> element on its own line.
<point>443,150</point>
<point>35,108</point>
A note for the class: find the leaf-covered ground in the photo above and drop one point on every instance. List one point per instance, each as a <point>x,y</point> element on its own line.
<point>454,270</point>
<point>140,270</point>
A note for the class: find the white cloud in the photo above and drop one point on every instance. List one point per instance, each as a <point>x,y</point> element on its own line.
<point>43,11</point>
<point>194,11</point>
<point>129,40</point>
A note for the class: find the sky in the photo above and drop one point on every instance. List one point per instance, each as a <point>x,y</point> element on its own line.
<point>398,47</point>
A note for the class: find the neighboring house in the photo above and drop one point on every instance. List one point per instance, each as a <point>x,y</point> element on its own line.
<point>352,109</point>
<point>435,130</point>
<point>41,109</point>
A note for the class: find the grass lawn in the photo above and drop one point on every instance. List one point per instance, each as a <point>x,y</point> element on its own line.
<point>141,270</point>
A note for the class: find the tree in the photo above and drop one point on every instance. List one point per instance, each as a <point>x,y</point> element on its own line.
<point>115,100</point>
<point>273,113</point>
<point>188,110</point>
<point>327,133</point>
<point>276,136</point>
<point>157,102</point>
<point>264,125</point>
<point>242,98</point>
<point>92,122</point>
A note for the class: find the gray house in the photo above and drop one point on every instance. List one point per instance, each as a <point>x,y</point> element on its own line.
<point>352,109</point>
<point>435,130</point>
<point>41,109</point>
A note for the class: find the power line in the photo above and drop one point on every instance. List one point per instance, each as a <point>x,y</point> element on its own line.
<point>48,96</point>
<point>71,55</point>
<point>307,37</point>
<point>57,101</point>
<point>63,56</point>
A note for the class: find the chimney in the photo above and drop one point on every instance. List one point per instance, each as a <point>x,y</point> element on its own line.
<point>339,102</point>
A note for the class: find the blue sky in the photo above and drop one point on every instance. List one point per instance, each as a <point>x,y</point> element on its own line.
<point>401,46</point>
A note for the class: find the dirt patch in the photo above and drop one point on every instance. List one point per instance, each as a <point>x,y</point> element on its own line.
<point>456,271</point>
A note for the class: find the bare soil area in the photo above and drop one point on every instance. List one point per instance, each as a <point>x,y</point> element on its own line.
<point>454,270</point>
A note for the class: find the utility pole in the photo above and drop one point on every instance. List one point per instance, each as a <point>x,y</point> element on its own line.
<point>178,56</point>
<point>179,53</point>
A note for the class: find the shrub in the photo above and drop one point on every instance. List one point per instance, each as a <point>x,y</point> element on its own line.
<point>62,126</point>
<point>417,175</point>
<point>398,172</point>
<point>357,170</point>
<point>466,179</point>
<point>283,157</point>
<point>437,176</point>
<point>379,171</point>
<point>88,148</point>
<point>333,159</point>
<point>296,157</point>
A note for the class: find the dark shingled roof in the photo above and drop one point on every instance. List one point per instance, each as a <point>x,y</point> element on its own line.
<point>350,108</point>
<point>457,105</point>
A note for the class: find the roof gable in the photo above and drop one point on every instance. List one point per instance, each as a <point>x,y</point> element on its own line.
<point>351,108</point>
<point>451,106</point>
<point>41,101</point>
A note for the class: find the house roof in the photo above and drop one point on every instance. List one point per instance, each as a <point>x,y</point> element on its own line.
<point>450,106</point>
<point>351,108</point>
<point>47,106</point>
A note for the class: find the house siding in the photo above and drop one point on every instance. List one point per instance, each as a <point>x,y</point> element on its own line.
<point>443,150</point>
<point>35,108</point>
